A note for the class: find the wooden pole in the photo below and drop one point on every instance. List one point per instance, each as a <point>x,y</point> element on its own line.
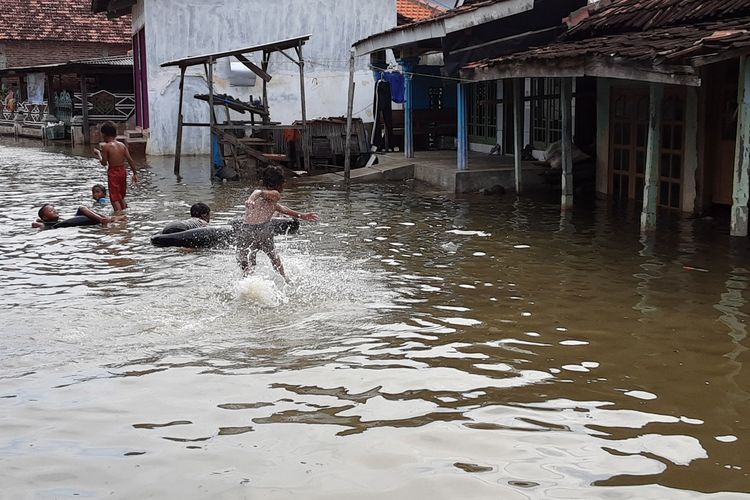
<point>349,108</point>
<point>518,92</point>
<point>741,189</point>
<point>211,120</point>
<point>180,119</point>
<point>264,66</point>
<point>566,105</point>
<point>305,130</point>
<point>653,157</point>
<point>85,109</point>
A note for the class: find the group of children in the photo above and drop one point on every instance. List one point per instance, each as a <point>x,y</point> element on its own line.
<point>256,233</point>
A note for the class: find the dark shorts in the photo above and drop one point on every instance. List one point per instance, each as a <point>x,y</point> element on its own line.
<point>117,178</point>
<point>254,237</point>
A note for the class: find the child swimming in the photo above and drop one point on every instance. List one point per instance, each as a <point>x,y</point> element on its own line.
<point>99,194</point>
<point>48,217</point>
<point>256,232</point>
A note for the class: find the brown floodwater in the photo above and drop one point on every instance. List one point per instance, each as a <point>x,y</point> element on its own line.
<point>428,346</point>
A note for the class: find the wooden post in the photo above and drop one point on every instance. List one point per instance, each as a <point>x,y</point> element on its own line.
<point>690,169</point>
<point>462,153</point>
<point>349,108</point>
<point>408,66</point>
<point>305,130</point>
<point>211,120</point>
<point>566,105</point>
<point>653,158</point>
<point>741,190</point>
<point>85,109</point>
<point>264,66</point>
<point>518,94</point>
<point>180,118</point>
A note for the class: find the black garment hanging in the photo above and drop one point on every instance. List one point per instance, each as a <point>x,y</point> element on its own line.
<point>383,116</point>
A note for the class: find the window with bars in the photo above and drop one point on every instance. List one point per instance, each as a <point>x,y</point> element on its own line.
<point>546,113</point>
<point>482,119</point>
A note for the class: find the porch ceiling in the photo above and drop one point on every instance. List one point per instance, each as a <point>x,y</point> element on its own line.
<point>666,55</point>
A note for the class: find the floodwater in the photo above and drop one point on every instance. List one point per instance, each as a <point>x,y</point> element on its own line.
<point>428,346</point>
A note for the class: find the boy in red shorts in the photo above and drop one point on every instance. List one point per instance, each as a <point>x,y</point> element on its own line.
<point>114,154</point>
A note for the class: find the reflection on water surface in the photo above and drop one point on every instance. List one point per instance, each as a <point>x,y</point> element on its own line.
<point>428,346</point>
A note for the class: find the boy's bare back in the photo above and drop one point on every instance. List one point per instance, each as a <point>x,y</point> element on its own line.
<point>116,153</point>
<point>260,206</point>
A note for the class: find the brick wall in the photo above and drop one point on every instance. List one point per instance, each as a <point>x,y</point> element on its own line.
<point>30,53</point>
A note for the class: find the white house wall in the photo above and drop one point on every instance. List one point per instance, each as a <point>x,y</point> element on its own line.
<point>180,28</point>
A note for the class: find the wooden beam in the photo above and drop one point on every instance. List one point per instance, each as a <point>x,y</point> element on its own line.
<point>653,158</point>
<point>618,68</point>
<point>254,68</point>
<point>180,119</point>
<point>211,120</point>
<point>741,188</point>
<point>518,93</point>
<point>349,107</point>
<point>566,143</point>
<point>305,129</point>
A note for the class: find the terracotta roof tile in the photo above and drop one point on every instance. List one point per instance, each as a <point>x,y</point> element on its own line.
<point>60,20</point>
<point>417,10</point>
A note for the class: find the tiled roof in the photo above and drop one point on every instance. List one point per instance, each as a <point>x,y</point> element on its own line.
<point>416,10</point>
<point>620,16</point>
<point>670,46</point>
<point>59,20</point>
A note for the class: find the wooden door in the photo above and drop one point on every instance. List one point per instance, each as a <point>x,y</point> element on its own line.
<point>722,111</point>
<point>629,140</point>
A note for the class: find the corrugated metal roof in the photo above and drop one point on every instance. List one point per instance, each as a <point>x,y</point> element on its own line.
<point>123,62</point>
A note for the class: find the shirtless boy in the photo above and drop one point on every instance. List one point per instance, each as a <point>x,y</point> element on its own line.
<point>114,154</point>
<point>256,232</point>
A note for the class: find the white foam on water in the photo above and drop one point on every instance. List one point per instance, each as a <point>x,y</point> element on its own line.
<point>462,232</point>
<point>641,395</point>
<point>260,290</point>
<point>521,247</point>
<point>726,439</point>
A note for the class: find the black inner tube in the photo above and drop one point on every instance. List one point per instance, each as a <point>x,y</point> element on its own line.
<point>75,221</point>
<point>213,236</point>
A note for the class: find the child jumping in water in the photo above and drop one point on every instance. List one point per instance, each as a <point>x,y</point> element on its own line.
<point>257,231</point>
<point>114,154</point>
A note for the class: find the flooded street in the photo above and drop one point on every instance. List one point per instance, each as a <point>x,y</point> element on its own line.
<point>428,346</point>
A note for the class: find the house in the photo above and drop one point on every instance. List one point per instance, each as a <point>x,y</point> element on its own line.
<point>671,84</point>
<point>34,32</point>
<point>165,30</point>
<point>44,48</point>
<point>479,115</point>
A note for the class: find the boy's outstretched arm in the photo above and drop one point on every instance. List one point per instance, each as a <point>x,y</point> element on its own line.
<point>102,156</point>
<point>133,166</point>
<point>308,216</point>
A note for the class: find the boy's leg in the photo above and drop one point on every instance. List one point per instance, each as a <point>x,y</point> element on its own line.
<point>276,262</point>
<point>117,206</point>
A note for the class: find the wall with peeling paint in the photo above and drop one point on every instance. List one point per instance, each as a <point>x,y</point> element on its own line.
<point>180,28</point>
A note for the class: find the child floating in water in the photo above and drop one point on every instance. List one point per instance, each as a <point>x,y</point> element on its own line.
<point>99,194</point>
<point>200,216</point>
<point>114,154</point>
<point>256,232</point>
<point>49,217</point>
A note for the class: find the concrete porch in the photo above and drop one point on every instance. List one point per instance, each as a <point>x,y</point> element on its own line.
<point>439,169</point>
